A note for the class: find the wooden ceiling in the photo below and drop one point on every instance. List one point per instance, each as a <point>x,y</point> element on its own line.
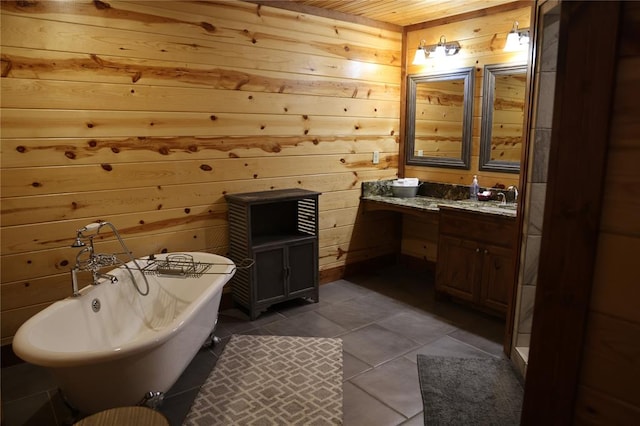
<point>402,12</point>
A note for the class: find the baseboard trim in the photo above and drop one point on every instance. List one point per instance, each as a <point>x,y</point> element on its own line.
<point>416,263</point>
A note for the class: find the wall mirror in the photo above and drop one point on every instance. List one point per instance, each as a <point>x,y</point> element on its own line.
<point>439,119</point>
<point>503,106</point>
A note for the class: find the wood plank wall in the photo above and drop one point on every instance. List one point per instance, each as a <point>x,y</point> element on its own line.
<point>146,113</point>
<point>482,40</point>
<point>608,389</point>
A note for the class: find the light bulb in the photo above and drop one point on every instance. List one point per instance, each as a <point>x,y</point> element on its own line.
<point>440,52</point>
<point>513,42</point>
<point>420,57</point>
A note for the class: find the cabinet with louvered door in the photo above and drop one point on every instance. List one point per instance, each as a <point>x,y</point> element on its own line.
<point>278,230</point>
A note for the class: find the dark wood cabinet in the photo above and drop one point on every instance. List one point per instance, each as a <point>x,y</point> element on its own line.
<point>278,230</point>
<point>476,260</point>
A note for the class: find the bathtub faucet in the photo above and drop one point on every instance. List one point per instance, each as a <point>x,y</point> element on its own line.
<point>93,261</point>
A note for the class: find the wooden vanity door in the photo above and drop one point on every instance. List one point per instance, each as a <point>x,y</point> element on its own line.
<point>497,277</point>
<point>457,267</point>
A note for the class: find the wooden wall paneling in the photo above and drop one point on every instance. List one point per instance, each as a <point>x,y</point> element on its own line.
<point>359,234</point>
<point>64,66</point>
<point>420,236</point>
<point>146,114</point>
<point>343,256</point>
<point>302,23</point>
<point>36,291</point>
<point>43,236</point>
<point>587,55</point>
<point>595,407</point>
<point>341,199</point>
<point>93,124</point>
<point>50,180</point>
<point>23,266</point>
<point>46,236</point>
<point>91,205</point>
<point>495,25</point>
<point>610,358</point>
<point>34,253</point>
<point>157,20</point>
<point>10,321</point>
<point>114,42</point>
<point>48,288</point>
<point>340,257</point>
<point>32,152</point>
<point>486,179</point>
<point>622,197</point>
<point>30,93</point>
<point>614,290</point>
<point>609,374</point>
<point>338,217</point>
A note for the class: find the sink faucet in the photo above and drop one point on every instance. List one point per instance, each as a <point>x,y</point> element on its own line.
<point>515,192</point>
<point>503,198</point>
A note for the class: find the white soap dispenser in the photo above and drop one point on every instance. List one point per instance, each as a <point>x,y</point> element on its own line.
<point>473,190</point>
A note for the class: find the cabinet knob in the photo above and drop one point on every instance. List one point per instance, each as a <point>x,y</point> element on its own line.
<point>486,251</point>
<point>478,250</point>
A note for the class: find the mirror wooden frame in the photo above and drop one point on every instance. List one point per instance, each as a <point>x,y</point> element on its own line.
<point>488,99</point>
<point>464,162</point>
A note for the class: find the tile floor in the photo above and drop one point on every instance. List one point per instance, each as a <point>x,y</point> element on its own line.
<point>384,318</point>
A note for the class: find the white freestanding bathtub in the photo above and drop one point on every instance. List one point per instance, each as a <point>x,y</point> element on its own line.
<point>113,355</point>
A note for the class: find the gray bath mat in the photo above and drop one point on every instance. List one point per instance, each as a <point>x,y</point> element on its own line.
<point>273,380</point>
<point>469,391</point>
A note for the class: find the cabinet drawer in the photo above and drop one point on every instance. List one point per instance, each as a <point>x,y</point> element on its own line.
<point>498,230</point>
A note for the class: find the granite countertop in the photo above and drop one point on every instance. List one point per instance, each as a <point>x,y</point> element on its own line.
<point>433,204</point>
<point>432,196</point>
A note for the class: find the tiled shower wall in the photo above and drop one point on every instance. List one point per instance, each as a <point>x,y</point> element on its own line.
<point>540,138</point>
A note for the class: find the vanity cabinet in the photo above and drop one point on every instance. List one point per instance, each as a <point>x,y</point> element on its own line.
<point>476,258</point>
<point>278,231</point>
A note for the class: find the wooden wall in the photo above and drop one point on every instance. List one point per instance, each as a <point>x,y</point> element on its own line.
<point>482,40</point>
<point>608,389</point>
<point>146,113</point>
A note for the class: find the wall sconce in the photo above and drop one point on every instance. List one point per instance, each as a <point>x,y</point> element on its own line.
<point>440,50</point>
<point>517,39</point>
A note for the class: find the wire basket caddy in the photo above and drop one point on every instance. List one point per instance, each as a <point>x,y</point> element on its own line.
<point>183,265</point>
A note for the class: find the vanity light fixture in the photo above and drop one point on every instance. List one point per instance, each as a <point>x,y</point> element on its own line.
<point>420,58</point>
<point>440,50</point>
<point>517,39</point>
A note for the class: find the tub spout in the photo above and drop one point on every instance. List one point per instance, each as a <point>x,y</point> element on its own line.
<point>97,276</point>
<point>74,282</point>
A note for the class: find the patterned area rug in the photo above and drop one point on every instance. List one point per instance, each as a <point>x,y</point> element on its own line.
<point>272,380</point>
